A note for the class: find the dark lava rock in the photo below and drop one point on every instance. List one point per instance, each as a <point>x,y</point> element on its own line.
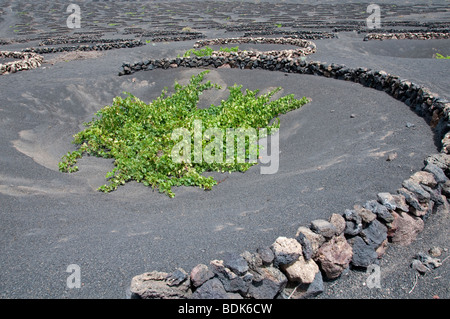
<point>323,227</point>
<point>375,234</point>
<point>212,289</point>
<point>380,210</point>
<point>177,277</point>
<point>363,254</point>
<point>266,255</point>
<point>200,274</point>
<point>353,224</point>
<point>416,188</point>
<point>437,172</point>
<point>272,283</point>
<point>236,263</point>
<point>307,249</point>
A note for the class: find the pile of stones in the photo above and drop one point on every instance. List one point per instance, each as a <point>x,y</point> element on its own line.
<point>355,238</point>
<point>27,61</point>
<point>407,35</point>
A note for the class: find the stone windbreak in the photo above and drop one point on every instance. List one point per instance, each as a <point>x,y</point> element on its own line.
<point>102,46</point>
<point>25,61</point>
<point>355,238</point>
<point>407,35</point>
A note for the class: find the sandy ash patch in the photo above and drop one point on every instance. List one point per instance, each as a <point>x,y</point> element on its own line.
<point>74,55</point>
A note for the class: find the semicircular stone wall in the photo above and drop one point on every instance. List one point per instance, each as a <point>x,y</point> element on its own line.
<point>26,61</point>
<point>356,238</point>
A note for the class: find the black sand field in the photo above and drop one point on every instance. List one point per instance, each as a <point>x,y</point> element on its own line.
<point>333,150</point>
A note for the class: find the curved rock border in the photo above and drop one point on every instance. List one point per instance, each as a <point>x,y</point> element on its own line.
<point>27,61</point>
<point>294,267</point>
<point>407,35</point>
<point>305,47</point>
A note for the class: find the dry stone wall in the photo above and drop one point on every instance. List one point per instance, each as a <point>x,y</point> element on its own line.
<point>305,47</point>
<point>407,35</point>
<point>27,61</point>
<point>307,35</point>
<point>113,44</point>
<point>324,249</point>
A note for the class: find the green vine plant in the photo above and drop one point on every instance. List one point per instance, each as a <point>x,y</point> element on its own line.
<point>440,56</point>
<point>207,51</point>
<point>138,136</point>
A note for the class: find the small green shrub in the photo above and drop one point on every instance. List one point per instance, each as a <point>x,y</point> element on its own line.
<point>207,51</point>
<point>233,49</point>
<point>139,135</point>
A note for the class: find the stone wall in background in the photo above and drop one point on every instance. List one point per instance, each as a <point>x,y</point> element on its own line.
<point>407,35</point>
<point>27,61</point>
<point>295,266</point>
<point>112,44</point>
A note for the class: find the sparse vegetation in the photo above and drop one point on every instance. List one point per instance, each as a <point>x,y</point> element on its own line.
<point>207,51</point>
<point>440,56</point>
<point>139,135</point>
